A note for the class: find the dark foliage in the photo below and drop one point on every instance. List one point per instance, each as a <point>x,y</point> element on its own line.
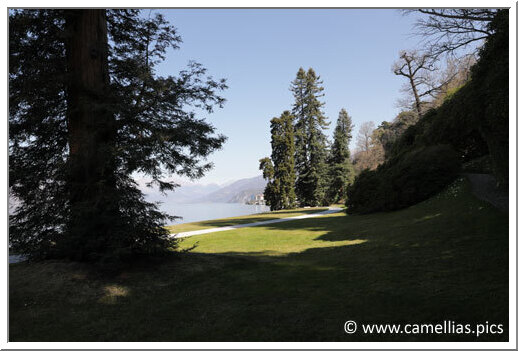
<point>310,141</point>
<point>491,77</point>
<point>403,181</point>
<point>389,132</point>
<point>340,167</point>
<point>479,165</point>
<point>452,123</point>
<point>84,204</point>
<point>280,169</point>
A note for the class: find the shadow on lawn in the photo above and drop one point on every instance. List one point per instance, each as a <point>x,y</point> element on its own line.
<point>249,219</point>
<point>303,296</point>
<point>422,267</point>
<point>373,228</point>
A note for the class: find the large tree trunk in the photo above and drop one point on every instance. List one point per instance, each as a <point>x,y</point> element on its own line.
<point>91,128</point>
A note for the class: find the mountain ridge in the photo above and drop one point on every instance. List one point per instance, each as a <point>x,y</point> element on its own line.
<point>239,191</point>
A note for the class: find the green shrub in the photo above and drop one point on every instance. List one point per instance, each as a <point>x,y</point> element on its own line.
<point>363,196</point>
<point>404,181</point>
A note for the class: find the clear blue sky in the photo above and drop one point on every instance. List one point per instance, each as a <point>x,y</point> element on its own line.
<point>260,51</point>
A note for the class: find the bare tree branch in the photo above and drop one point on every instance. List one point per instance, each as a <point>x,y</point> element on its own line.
<point>416,67</point>
<point>448,30</point>
<point>462,14</point>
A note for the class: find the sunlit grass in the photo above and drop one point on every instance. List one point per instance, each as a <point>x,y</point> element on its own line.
<point>112,292</point>
<point>271,240</point>
<point>223,222</point>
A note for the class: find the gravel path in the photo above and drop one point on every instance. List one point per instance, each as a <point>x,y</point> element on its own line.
<point>484,187</point>
<point>280,220</point>
<point>16,258</point>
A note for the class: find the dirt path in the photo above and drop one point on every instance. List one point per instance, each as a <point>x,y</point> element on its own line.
<point>484,187</point>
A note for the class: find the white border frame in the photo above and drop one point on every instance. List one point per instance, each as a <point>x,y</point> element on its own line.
<point>280,345</point>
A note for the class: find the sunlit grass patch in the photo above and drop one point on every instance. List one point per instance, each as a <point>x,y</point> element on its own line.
<point>224,222</point>
<point>112,293</point>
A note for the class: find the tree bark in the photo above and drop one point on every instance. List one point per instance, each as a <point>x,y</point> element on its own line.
<point>91,125</point>
<point>416,97</point>
<point>411,76</point>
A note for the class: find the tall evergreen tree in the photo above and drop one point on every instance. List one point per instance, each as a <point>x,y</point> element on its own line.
<point>280,169</point>
<point>341,171</point>
<point>85,116</point>
<point>310,140</point>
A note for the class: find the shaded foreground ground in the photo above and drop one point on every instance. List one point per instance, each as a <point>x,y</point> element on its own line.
<point>444,259</point>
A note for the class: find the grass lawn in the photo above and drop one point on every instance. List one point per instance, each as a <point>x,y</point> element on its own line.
<point>223,222</point>
<point>443,259</point>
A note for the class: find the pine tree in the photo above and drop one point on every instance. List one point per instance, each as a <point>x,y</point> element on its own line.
<point>310,140</point>
<point>280,169</point>
<point>341,171</point>
<point>85,116</point>
<point>298,87</point>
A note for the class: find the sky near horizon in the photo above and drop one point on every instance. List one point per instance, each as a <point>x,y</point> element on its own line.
<point>259,53</point>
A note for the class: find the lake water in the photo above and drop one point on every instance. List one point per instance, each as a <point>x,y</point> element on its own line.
<point>206,211</point>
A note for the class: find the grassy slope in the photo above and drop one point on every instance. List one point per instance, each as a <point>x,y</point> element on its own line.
<point>223,222</point>
<point>444,259</point>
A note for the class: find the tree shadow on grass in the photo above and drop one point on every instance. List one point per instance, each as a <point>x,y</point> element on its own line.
<point>417,266</point>
<point>217,223</point>
<point>304,296</point>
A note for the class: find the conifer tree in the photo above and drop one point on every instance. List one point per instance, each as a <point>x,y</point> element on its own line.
<point>271,191</point>
<point>86,112</point>
<point>310,140</point>
<point>280,169</point>
<point>341,171</point>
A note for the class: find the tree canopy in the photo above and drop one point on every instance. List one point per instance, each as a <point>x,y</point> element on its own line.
<point>341,171</point>
<point>279,170</point>
<point>87,111</point>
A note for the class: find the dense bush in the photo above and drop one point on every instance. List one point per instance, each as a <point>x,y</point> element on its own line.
<point>456,123</point>
<point>404,181</point>
<point>491,75</point>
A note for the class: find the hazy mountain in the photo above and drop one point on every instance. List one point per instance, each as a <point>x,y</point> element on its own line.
<point>238,191</point>
<point>184,193</point>
<point>189,193</point>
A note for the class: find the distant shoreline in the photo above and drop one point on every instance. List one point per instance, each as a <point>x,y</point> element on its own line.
<point>196,212</point>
